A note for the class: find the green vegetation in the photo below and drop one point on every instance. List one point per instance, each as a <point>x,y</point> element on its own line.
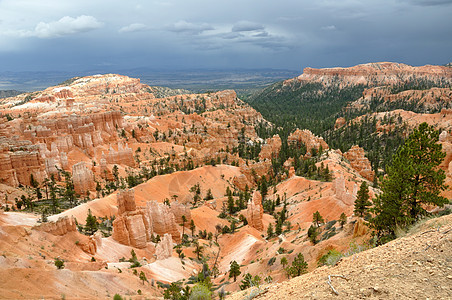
<point>362,202</point>
<point>234,270</point>
<point>59,263</point>
<point>413,180</point>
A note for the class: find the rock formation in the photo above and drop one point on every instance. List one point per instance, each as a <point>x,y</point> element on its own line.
<point>341,192</point>
<point>124,155</point>
<point>255,211</point>
<point>163,220</point>
<point>92,244</point>
<point>359,162</point>
<point>241,182</point>
<point>271,147</point>
<point>132,226</point>
<point>179,210</point>
<point>339,122</point>
<point>308,139</point>
<point>83,178</point>
<point>60,227</point>
<point>380,73</point>
<point>164,248</point>
<point>18,161</point>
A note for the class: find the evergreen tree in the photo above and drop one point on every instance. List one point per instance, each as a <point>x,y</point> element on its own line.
<point>299,266</point>
<point>362,202</point>
<point>312,234</point>
<point>143,277</point>
<point>342,219</point>
<point>270,231</point>
<point>413,181</point>
<point>317,218</point>
<point>234,270</point>
<point>91,223</point>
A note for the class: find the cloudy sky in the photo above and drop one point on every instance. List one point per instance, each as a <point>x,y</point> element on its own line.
<point>183,34</point>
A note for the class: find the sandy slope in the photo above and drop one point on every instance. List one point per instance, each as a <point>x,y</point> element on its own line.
<point>418,266</point>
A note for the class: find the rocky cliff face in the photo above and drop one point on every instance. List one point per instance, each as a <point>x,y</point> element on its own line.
<point>60,227</point>
<point>179,210</point>
<point>163,220</point>
<point>83,178</point>
<point>359,162</point>
<point>255,211</point>
<point>381,73</point>
<point>307,138</point>
<point>271,147</point>
<point>132,226</point>
<point>348,198</point>
<point>164,248</point>
<point>19,160</point>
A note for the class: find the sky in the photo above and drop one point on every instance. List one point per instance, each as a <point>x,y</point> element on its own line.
<point>60,35</point>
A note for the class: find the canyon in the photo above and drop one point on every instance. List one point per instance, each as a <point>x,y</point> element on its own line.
<point>175,183</point>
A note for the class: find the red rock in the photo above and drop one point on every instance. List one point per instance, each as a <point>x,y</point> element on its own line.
<point>60,227</point>
<point>339,122</point>
<point>163,220</point>
<point>308,139</point>
<point>359,162</point>
<point>132,226</point>
<point>341,192</point>
<point>83,178</point>
<point>271,148</point>
<point>164,248</point>
<point>179,210</point>
<point>255,211</point>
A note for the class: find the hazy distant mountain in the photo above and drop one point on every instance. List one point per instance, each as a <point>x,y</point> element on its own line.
<point>9,93</point>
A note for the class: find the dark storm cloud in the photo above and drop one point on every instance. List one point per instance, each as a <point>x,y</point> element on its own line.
<point>235,33</point>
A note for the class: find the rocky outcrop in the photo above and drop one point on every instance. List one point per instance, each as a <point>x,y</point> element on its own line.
<point>241,182</point>
<point>271,147</point>
<point>341,192</point>
<point>380,73</point>
<point>255,211</point>
<point>179,210</point>
<point>92,244</point>
<point>307,138</point>
<point>60,227</point>
<point>83,178</point>
<point>164,248</point>
<point>132,226</point>
<point>18,161</point>
<point>339,122</point>
<point>124,156</point>
<point>359,162</point>
<point>163,220</point>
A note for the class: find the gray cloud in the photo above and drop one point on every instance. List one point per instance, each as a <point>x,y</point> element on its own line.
<point>280,34</point>
<point>187,27</point>
<point>246,26</point>
<point>431,2</point>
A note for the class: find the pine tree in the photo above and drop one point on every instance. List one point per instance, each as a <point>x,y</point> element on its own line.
<point>413,181</point>
<point>270,230</point>
<point>91,223</point>
<point>299,266</point>
<point>317,218</point>
<point>342,219</point>
<point>362,202</point>
<point>234,270</point>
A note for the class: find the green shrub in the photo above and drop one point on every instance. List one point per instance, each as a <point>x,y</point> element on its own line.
<point>200,292</point>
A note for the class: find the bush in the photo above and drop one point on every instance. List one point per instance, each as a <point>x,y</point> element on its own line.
<point>200,292</point>
<point>59,263</point>
<point>117,297</point>
<point>331,258</point>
